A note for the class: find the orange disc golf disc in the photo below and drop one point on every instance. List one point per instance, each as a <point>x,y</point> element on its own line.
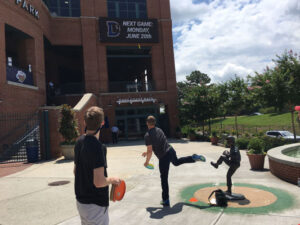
<point>118,191</point>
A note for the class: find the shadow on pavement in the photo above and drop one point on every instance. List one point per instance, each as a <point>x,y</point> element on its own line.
<point>161,212</point>
<point>123,143</point>
<point>260,171</point>
<point>60,161</point>
<point>183,141</point>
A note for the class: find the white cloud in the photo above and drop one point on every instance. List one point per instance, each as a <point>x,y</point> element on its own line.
<point>224,38</point>
<point>229,71</point>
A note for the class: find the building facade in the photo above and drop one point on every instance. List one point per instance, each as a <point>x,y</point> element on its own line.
<point>54,51</point>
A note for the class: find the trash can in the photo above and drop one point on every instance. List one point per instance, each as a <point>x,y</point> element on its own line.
<point>32,150</point>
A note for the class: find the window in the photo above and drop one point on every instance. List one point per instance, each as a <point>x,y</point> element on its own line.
<point>65,8</point>
<point>127,9</point>
<point>133,72</point>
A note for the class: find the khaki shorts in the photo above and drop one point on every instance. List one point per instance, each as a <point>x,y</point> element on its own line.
<point>91,214</point>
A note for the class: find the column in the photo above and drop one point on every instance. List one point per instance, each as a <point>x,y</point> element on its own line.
<point>2,56</point>
<point>103,72</point>
<point>158,70</point>
<point>89,44</point>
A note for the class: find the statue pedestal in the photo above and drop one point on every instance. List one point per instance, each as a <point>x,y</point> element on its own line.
<point>234,197</point>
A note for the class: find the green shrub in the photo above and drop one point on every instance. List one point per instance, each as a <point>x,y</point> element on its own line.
<point>202,138</point>
<point>184,131</point>
<point>271,142</point>
<point>267,110</point>
<point>261,134</point>
<point>68,126</point>
<point>214,133</point>
<point>256,146</point>
<point>247,135</point>
<point>242,143</point>
<point>191,131</point>
<point>187,130</point>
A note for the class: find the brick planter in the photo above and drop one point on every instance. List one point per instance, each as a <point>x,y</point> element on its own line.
<point>284,171</point>
<point>285,167</point>
<point>257,161</point>
<point>214,140</point>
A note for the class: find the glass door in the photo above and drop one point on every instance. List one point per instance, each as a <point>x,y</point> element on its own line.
<point>132,121</point>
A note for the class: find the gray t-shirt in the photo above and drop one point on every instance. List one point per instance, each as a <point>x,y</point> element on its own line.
<point>156,137</point>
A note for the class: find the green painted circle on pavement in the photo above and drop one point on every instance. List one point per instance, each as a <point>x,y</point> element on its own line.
<point>284,200</point>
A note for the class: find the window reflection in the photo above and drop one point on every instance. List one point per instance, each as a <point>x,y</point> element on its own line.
<point>134,9</point>
<point>65,8</point>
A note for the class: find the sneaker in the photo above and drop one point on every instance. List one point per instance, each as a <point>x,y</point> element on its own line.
<point>214,165</point>
<point>198,158</point>
<point>165,203</point>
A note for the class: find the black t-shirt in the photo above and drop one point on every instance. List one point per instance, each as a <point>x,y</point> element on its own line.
<point>156,137</point>
<point>89,155</point>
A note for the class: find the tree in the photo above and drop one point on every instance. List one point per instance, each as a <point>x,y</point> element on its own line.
<point>279,87</point>
<point>237,92</point>
<point>181,89</point>
<point>288,66</point>
<point>191,96</point>
<point>198,78</point>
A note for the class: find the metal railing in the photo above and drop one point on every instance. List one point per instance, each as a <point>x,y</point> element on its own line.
<point>244,129</point>
<point>16,129</point>
<point>131,86</point>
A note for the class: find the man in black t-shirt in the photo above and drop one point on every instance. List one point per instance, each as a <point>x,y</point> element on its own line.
<point>232,159</point>
<point>91,181</point>
<point>156,141</point>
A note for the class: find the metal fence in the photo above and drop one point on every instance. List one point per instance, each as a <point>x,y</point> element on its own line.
<point>131,86</point>
<point>244,129</point>
<point>16,131</point>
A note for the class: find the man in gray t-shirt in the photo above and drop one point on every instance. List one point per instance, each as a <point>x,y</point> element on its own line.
<point>156,142</point>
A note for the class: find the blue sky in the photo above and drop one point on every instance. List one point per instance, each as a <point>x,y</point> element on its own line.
<point>226,37</point>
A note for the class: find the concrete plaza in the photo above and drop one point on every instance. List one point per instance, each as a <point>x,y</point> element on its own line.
<point>26,197</point>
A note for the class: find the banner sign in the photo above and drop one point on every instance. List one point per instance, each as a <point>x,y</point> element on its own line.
<point>128,30</point>
<point>136,100</point>
<point>19,76</point>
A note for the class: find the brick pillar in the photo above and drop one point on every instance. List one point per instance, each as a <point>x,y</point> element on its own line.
<point>2,57</point>
<point>102,62</point>
<point>55,137</point>
<point>158,72</point>
<point>29,52</point>
<point>38,65</point>
<point>170,74</point>
<point>169,55</point>
<point>90,58</point>
<point>87,7</point>
<point>2,65</point>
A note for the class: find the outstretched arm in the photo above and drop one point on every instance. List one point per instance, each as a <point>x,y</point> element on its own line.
<point>148,154</point>
<point>101,181</point>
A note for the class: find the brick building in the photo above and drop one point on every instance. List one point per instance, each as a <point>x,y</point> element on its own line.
<point>54,51</point>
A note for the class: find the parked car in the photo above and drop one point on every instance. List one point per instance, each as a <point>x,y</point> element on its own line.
<point>282,134</point>
<point>256,114</point>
